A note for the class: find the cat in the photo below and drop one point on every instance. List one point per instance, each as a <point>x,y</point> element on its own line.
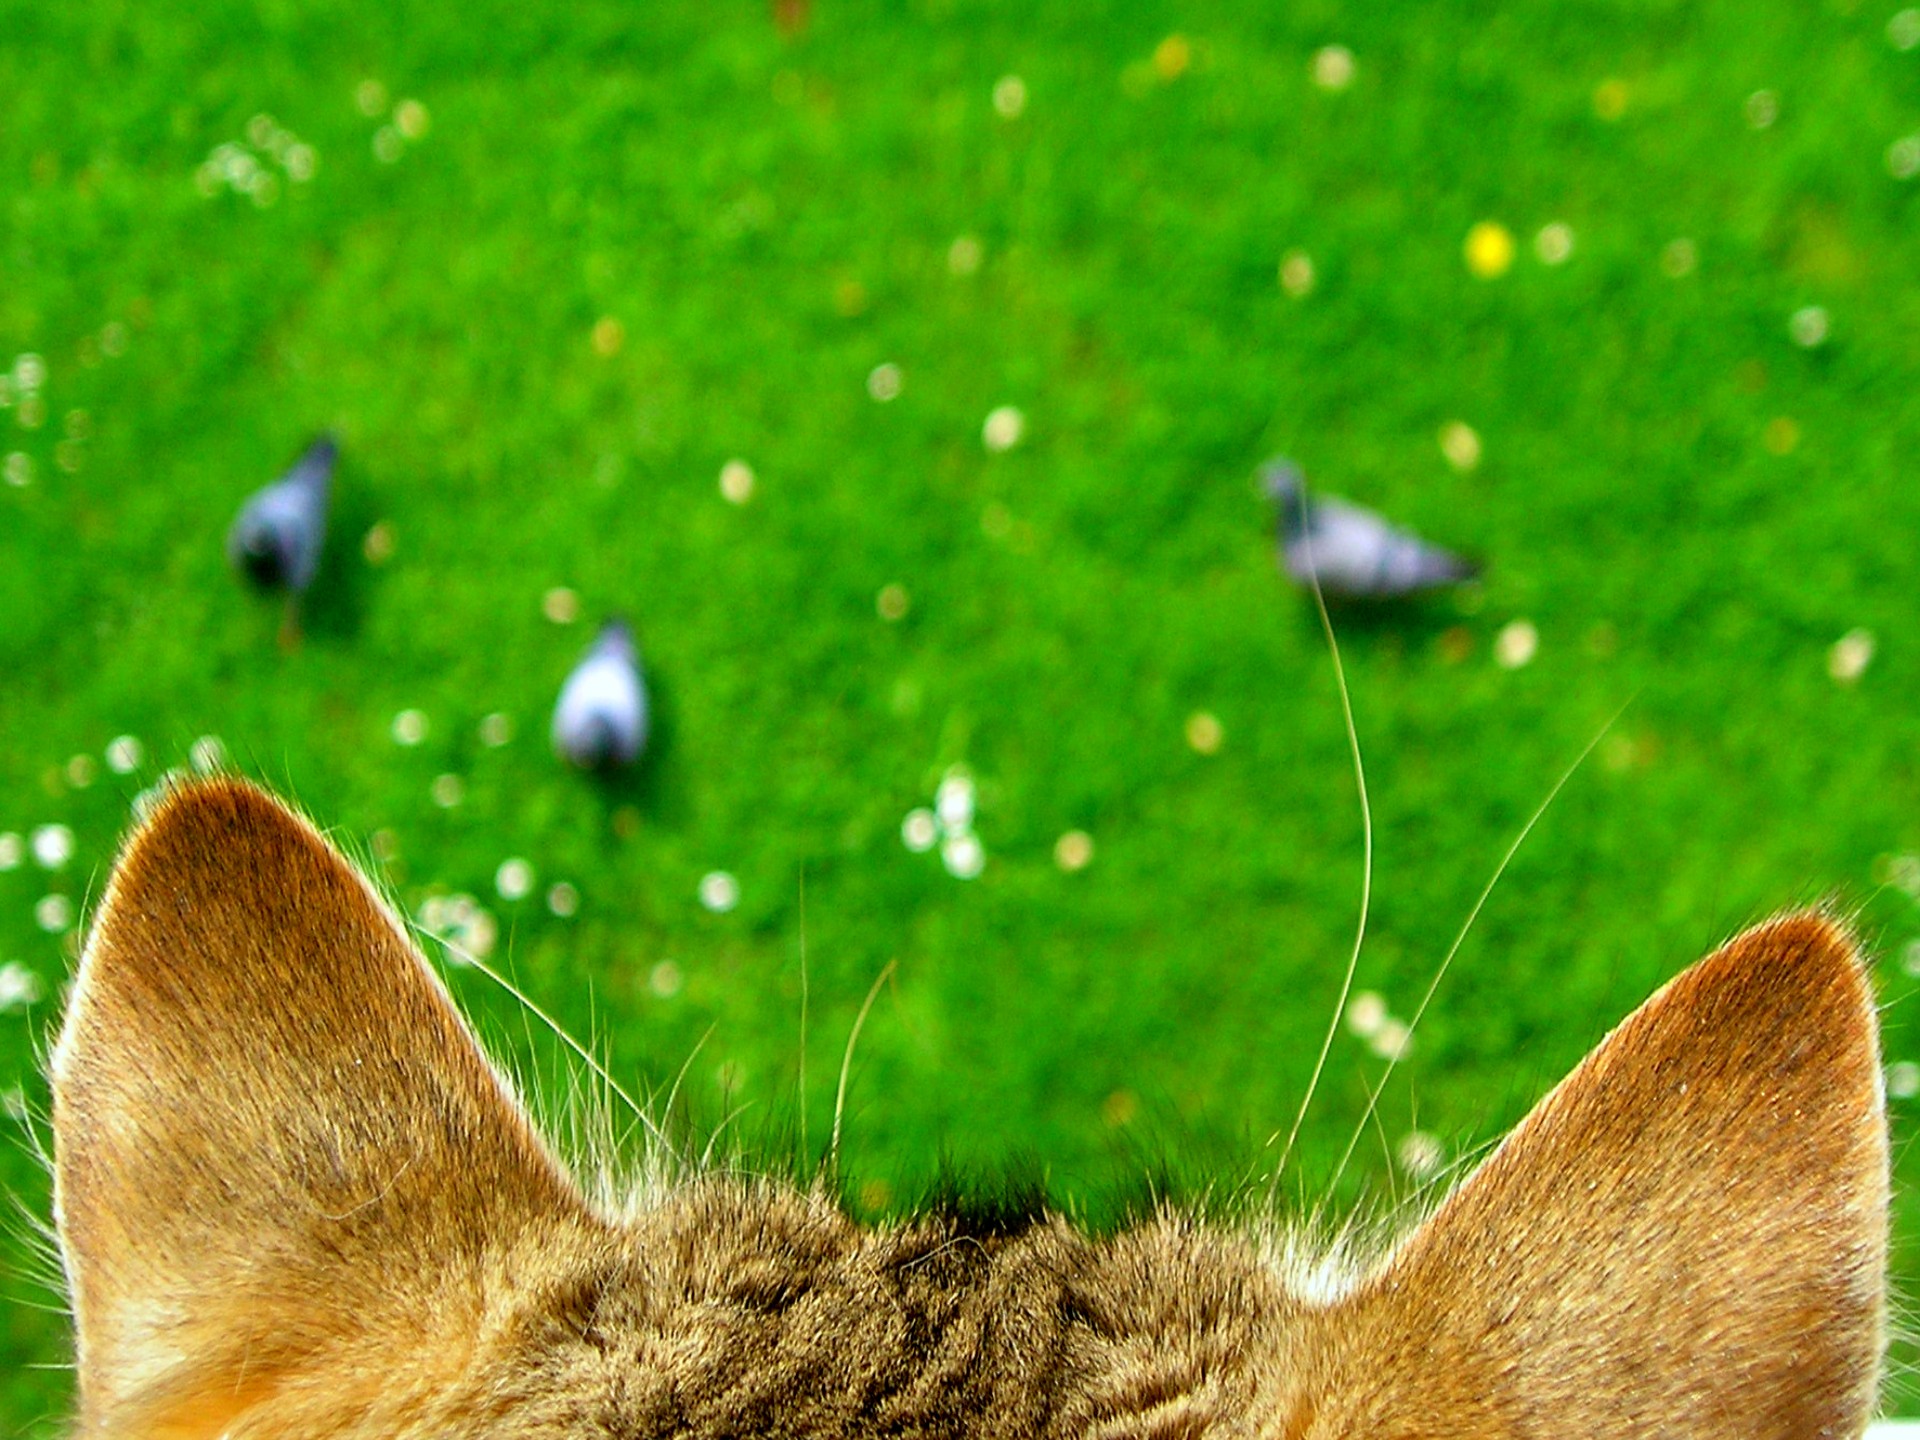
<point>295,1202</point>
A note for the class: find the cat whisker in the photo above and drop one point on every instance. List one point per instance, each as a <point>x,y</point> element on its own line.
<point>800,1082</point>
<point>726,1121</point>
<point>680,1075</point>
<point>846,1065</point>
<point>1386,1148</point>
<point>1366,876</point>
<point>586,1056</point>
<point>1459,939</point>
<point>35,1234</point>
<point>1370,1113</point>
<point>43,1307</point>
<point>32,1232</point>
<point>36,1125</point>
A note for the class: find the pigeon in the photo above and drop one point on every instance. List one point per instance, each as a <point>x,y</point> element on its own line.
<point>276,539</point>
<point>1356,554</point>
<point>601,720</point>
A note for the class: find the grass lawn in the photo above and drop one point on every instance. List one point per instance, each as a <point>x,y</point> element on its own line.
<point>548,269</point>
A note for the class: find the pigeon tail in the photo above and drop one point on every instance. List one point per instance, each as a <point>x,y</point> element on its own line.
<point>315,466</point>
<point>1451,569</point>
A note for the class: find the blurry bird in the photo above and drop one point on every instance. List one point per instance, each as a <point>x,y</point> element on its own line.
<point>1357,554</point>
<point>278,535</point>
<point>601,720</point>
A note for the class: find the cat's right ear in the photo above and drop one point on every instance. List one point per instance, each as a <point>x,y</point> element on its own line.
<point>1686,1238</point>
<point>277,1147</point>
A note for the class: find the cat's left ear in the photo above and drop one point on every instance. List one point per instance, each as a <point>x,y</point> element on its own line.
<point>280,1158</point>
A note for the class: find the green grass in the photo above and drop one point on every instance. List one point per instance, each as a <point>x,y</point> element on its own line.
<point>769,219</point>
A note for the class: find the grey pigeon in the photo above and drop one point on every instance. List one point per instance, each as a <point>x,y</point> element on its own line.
<point>1357,554</point>
<point>277,537</point>
<point>601,720</point>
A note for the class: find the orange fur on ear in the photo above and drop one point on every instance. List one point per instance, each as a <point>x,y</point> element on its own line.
<point>1687,1237</point>
<point>276,1142</point>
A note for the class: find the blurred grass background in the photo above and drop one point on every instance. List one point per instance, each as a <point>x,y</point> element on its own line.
<point>549,269</point>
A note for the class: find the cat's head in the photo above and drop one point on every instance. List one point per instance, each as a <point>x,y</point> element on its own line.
<point>294,1200</point>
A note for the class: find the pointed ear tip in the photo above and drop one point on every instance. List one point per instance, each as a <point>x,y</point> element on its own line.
<point>1805,958</point>
<point>192,818</point>
<point>1804,940</point>
<point>198,801</point>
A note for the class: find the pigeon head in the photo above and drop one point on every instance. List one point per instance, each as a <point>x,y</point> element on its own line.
<point>616,638</point>
<point>1287,488</point>
<point>593,744</point>
<point>1282,480</point>
<point>259,553</point>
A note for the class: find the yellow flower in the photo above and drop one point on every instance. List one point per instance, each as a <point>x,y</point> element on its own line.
<point>1489,249</point>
